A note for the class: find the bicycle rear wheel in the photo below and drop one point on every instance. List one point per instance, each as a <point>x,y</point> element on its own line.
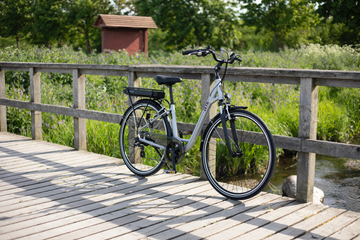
<point>143,159</point>
<point>244,176</point>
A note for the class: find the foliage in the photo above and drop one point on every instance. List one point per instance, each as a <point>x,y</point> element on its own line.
<point>125,7</point>
<point>16,15</point>
<point>82,15</point>
<point>281,17</point>
<point>326,33</point>
<point>11,43</point>
<point>50,25</point>
<point>193,22</point>
<point>346,12</point>
<point>253,38</point>
<point>184,22</point>
<point>55,22</point>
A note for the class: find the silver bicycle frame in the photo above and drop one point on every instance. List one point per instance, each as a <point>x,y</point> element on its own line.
<point>216,94</point>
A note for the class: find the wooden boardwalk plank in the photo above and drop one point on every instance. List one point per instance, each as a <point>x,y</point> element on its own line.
<point>234,226</point>
<point>262,220</point>
<point>108,207</point>
<point>52,188</point>
<point>283,223</point>
<point>139,217</point>
<point>356,238</point>
<point>110,181</point>
<point>58,160</point>
<point>48,191</point>
<point>265,219</point>
<point>333,226</point>
<point>23,179</point>
<point>348,232</point>
<point>308,224</point>
<point>178,216</point>
<point>15,178</point>
<point>66,160</point>
<point>120,187</point>
<point>101,205</point>
<point>224,210</point>
<point>222,226</point>
<point>31,190</point>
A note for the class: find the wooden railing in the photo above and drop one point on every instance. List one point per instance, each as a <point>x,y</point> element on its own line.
<point>305,144</point>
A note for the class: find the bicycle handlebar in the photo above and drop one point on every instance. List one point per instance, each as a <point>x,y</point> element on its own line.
<point>187,52</point>
<point>206,51</point>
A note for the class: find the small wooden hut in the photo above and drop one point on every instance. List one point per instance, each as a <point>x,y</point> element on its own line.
<point>124,32</point>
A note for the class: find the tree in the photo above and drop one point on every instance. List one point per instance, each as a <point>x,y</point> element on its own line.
<point>125,7</point>
<point>83,13</point>
<point>15,19</point>
<point>346,12</point>
<point>50,25</point>
<point>281,17</point>
<point>188,22</point>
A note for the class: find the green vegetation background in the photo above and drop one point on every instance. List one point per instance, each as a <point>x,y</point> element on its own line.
<point>276,104</point>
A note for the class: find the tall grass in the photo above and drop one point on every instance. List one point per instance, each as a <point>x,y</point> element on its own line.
<point>276,104</point>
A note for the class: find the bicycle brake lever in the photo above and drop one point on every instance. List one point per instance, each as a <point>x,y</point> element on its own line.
<point>202,53</point>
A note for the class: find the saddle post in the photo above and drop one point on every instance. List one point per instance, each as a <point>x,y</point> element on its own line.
<point>170,93</point>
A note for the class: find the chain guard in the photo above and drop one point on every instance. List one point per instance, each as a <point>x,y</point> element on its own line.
<point>179,151</point>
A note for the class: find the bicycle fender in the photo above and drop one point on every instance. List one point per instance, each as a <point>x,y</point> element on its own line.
<point>238,107</point>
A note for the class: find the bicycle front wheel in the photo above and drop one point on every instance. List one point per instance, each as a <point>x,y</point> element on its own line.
<point>143,159</point>
<point>243,176</point>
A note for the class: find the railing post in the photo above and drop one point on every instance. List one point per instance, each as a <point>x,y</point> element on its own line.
<point>207,82</point>
<point>79,103</point>
<point>133,81</point>
<point>3,124</point>
<point>134,153</point>
<point>35,97</point>
<point>307,130</point>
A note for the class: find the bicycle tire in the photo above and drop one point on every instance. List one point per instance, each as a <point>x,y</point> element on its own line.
<point>142,159</point>
<point>239,177</point>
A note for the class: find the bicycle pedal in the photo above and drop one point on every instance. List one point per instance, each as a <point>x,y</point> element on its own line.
<point>167,171</point>
<point>186,132</point>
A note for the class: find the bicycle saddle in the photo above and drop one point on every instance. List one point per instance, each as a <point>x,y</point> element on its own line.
<point>167,80</point>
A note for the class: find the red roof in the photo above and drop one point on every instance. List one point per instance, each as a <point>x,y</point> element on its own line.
<point>105,20</point>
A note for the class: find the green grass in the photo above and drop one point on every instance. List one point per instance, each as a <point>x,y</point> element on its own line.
<point>276,104</point>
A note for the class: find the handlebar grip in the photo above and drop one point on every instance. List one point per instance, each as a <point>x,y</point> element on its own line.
<point>187,52</point>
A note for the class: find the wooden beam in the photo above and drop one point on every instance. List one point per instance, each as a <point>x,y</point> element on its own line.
<point>262,79</point>
<point>79,103</point>
<point>3,124</point>
<point>79,113</point>
<point>134,152</point>
<point>35,92</point>
<point>335,149</point>
<point>337,83</point>
<point>307,130</point>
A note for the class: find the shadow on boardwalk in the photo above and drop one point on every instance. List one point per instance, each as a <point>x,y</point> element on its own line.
<point>49,191</point>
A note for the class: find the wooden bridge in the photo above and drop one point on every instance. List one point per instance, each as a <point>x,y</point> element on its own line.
<point>49,191</point>
<point>305,144</point>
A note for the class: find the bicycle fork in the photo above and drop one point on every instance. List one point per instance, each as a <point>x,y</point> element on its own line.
<point>225,113</point>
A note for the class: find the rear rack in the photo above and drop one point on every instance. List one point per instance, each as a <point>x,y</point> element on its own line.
<point>144,92</point>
